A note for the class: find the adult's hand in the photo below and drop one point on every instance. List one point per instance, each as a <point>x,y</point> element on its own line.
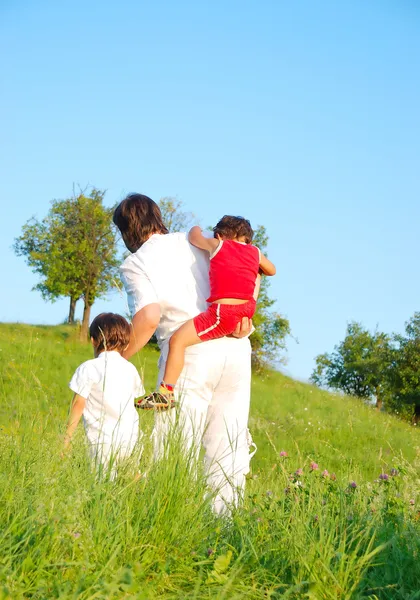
<point>244,328</point>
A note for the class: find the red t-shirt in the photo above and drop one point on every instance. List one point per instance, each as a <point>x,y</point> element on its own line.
<point>234,269</point>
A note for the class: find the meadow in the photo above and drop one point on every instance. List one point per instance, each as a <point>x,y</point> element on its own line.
<point>332,507</point>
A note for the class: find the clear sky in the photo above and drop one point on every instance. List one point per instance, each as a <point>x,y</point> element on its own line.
<point>302,116</point>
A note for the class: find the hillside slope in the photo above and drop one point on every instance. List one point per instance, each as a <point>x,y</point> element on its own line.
<point>339,432</point>
<point>338,518</point>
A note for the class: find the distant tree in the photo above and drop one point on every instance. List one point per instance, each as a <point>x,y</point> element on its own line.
<point>271,328</point>
<point>405,374</point>
<point>175,218</point>
<point>358,365</point>
<point>74,251</point>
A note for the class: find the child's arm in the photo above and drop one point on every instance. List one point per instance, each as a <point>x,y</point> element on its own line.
<point>74,418</point>
<point>266,266</point>
<point>196,238</point>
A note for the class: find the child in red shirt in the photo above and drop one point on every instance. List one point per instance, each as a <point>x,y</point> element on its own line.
<point>234,267</point>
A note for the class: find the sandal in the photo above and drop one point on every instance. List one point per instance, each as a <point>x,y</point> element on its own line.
<point>156,401</point>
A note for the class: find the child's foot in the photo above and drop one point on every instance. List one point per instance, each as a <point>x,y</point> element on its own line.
<point>163,399</point>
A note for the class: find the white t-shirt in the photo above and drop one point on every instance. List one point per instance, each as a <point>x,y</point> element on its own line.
<point>109,383</point>
<point>170,271</point>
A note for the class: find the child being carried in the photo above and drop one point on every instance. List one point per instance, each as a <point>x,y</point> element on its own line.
<point>234,267</point>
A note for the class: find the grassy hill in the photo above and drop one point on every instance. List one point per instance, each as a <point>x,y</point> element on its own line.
<point>311,535</point>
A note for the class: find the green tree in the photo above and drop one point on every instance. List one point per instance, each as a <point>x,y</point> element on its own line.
<point>271,328</point>
<point>175,218</point>
<point>74,250</point>
<point>405,374</point>
<point>358,365</point>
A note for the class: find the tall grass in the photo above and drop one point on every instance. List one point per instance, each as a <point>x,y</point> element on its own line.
<point>301,532</point>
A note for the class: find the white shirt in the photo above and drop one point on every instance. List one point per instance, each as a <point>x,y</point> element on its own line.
<point>109,383</point>
<point>171,272</point>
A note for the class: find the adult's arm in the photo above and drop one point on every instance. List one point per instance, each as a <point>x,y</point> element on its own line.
<point>143,326</point>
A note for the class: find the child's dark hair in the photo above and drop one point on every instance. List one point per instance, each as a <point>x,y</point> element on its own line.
<point>110,331</point>
<point>230,228</point>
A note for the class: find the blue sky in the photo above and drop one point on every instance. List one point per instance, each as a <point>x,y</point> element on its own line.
<point>303,117</point>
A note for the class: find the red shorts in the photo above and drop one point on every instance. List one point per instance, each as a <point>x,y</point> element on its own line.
<point>221,319</point>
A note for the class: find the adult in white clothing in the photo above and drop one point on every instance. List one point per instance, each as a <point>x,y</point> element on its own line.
<point>166,281</point>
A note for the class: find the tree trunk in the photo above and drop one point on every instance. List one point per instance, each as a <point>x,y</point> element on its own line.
<point>72,310</point>
<point>84,330</point>
<point>416,416</point>
<point>379,402</point>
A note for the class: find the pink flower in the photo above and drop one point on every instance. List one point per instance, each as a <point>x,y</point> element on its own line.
<point>353,485</point>
<point>314,466</point>
<point>383,477</point>
<point>325,473</point>
<point>283,453</point>
<point>299,472</point>
<point>412,502</point>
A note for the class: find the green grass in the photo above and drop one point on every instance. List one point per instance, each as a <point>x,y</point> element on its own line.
<point>66,535</point>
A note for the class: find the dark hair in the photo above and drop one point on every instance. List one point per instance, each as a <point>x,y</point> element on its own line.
<point>230,228</point>
<point>110,332</point>
<point>138,217</point>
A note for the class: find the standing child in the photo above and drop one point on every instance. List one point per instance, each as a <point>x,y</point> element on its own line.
<point>234,267</point>
<point>104,392</point>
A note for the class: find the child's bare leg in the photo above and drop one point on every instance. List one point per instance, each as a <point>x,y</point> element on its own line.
<point>181,339</point>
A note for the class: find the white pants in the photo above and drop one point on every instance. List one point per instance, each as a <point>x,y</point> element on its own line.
<point>213,395</point>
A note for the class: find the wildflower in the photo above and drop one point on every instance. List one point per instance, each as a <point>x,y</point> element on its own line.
<point>259,520</point>
<point>76,535</point>
<point>269,493</point>
<point>298,472</point>
<point>283,453</point>
<point>298,484</point>
<point>325,473</point>
<point>210,551</point>
<point>353,485</point>
<point>333,476</point>
<point>383,477</point>
<point>314,466</point>
<point>394,472</point>
<point>412,502</point>
<point>306,409</point>
<point>316,519</point>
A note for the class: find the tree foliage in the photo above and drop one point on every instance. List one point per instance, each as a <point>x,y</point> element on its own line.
<point>405,374</point>
<point>271,328</point>
<point>357,365</point>
<point>175,218</point>
<point>381,366</point>
<point>73,249</point>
